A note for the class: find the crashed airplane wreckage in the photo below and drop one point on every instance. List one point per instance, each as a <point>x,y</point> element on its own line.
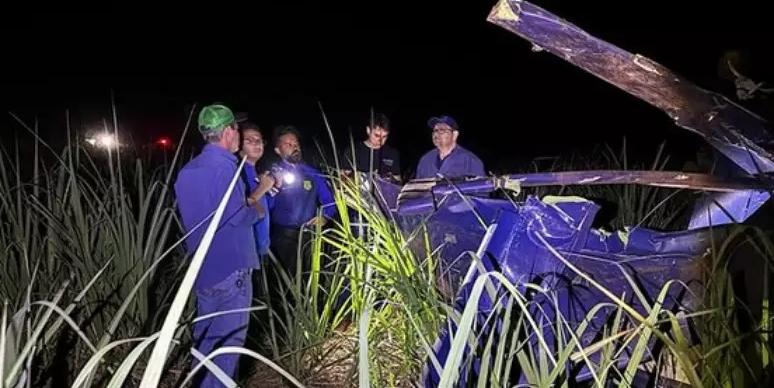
<point>550,243</point>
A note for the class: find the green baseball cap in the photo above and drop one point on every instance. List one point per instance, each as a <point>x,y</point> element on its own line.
<point>214,118</point>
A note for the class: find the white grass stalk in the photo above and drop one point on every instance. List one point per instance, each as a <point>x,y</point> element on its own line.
<point>2,340</point>
<point>214,368</point>
<point>246,352</point>
<point>28,351</point>
<point>363,368</point>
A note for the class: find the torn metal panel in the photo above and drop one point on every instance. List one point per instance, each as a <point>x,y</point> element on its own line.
<point>668,179</point>
<point>731,192</point>
<point>522,244</point>
<point>727,208</point>
<point>736,132</point>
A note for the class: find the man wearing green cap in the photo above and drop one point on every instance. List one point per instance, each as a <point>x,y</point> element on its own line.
<point>224,281</point>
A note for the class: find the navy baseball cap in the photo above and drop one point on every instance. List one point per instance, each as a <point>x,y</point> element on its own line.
<point>448,120</point>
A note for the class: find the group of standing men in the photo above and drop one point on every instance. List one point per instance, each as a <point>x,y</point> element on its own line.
<point>268,211</point>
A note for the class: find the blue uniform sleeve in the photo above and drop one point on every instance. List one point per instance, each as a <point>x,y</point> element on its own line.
<point>423,170</point>
<point>270,200</point>
<point>324,194</point>
<point>476,166</point>
<point>237,212</point>
<point>250,176</point>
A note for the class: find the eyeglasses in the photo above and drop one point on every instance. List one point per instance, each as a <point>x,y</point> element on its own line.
<point>253,141</point>
<point>441,131</point>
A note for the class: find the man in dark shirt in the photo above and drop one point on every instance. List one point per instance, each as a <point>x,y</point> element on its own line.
<point>373,154</point>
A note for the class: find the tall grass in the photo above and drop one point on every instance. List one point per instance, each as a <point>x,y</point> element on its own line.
<point>397,289</point>
<point>82,233</point>
<point>735,340</point>
<point>626,206</point>
<point>364,286</point>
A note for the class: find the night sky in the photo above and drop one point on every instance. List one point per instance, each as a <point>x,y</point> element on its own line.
<point>408,60</point>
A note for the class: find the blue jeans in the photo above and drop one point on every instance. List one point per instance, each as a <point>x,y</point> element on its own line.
<point>233,292</point>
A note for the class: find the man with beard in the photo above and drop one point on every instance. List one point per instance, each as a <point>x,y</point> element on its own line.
<point>302,190</point>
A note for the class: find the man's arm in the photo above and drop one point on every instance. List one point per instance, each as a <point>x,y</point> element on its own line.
<point>420,173</point>
<point>257,198</point>
<point>237,212</point>
<point>324,195</point>
<point>476,166</point>
<point>250,176</point>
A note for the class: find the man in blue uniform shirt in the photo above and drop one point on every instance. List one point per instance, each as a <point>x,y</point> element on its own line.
<point>302,190</point>
<point>448,158</point>
<point>224,280</point>
<point>253,148</point>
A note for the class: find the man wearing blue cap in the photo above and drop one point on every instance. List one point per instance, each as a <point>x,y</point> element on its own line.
<point>224,281</point>
<point>448,159</point>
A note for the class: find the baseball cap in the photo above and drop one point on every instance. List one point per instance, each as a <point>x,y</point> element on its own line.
<point>448,120</point>
<point>214,118</point>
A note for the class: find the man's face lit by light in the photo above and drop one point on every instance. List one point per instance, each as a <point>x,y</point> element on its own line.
<point>252,144</point>
<point>288,148</point>
<point>377,136</point>
<point>444,136</point>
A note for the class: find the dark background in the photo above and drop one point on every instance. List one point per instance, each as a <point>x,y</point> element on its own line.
<point>410,60</point>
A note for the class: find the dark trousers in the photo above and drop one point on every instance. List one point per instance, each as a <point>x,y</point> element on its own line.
<point>285,245</point>
<point>283,276</point>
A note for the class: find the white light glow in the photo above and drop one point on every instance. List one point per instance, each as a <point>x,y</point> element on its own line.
<point>103,140</point>
<point>288,178</point>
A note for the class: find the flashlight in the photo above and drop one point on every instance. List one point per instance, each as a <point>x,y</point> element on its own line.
<point>288,177</point>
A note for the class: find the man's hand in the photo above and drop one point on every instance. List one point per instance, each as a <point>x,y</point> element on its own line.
<point>277,181</point>
<point>266,183</point>
<point>316,221</point>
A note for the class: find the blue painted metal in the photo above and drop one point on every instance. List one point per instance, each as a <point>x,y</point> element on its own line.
<point>727,208</point>
<point>540,243</point>
<point>732,199</point>
<point>736,132</point>
<point>519,249</point>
